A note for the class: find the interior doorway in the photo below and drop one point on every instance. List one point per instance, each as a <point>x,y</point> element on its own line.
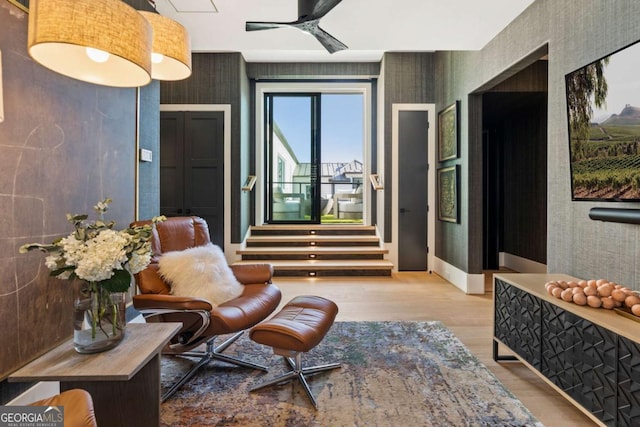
<point>514,145</point>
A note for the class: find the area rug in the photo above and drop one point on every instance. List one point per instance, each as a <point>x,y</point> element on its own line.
<point>393,374</point>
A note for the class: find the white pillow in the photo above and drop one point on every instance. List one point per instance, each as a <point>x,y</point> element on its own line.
<point>200,272</point>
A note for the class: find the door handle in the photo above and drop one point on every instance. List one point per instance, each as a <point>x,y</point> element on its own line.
<point>403,210</point>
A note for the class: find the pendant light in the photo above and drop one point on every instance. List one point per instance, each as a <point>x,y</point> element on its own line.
<point>105,42</point>
<point>171,57</point>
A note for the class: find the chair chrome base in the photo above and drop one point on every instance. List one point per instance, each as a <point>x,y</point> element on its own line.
<point>299,372</point>
<point>211,353</point>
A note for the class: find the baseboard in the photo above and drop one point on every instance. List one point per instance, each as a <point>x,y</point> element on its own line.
<point>467,283</point>
<point>521,265</point>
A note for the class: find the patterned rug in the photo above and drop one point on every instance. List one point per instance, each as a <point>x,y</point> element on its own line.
<point>393,374</point>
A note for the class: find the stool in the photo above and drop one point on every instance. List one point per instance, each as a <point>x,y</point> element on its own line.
<point>297,328</point>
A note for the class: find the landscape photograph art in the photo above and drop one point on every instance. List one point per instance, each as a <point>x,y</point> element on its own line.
<point>603,106</point>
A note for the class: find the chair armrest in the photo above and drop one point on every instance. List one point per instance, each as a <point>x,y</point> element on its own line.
<point>299,196</point>
<point>169,302</point>
<point>248,274</point>
<point>347,196</point>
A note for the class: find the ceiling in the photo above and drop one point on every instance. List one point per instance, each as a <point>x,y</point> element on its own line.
<point>367,27</point>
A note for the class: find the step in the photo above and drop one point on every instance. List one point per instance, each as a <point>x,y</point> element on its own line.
<point>329,267</point>
<point>312,240</point>
<point>312,229</point>
<point>312,252</point>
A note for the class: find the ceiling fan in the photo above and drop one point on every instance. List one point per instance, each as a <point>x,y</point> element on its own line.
<point>309,14</point>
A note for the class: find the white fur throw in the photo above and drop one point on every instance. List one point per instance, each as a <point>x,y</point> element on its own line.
<point>200,272</point>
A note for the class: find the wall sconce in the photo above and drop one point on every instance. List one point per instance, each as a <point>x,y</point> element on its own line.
<point>171,57</point>
<point>105,42</point>
<point>1,103</point>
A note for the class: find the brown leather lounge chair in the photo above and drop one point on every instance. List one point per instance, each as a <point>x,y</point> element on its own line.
<point>78,407</point>
<point>201,321</point>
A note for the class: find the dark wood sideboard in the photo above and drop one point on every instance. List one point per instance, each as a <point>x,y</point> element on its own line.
<point>590,356</point>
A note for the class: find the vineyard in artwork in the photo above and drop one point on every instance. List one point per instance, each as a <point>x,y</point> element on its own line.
<point>607,166</point>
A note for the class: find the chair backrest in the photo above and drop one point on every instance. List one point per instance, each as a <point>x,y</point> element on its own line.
<point>174,234</point>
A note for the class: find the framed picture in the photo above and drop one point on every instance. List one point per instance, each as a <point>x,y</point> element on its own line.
<point>376,181</point>
<point>22,4</point>
<point>249,183</point>
<point>448,194</point>
<point>448,132</point>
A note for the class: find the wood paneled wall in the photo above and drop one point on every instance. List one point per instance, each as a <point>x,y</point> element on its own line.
<point>309,70</point>
<point>223,78</point>
<point>217,78</point>
<point>409,78</point>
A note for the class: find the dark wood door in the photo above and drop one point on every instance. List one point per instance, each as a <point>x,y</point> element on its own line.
<point>413,128</point>
<point>192,167</point>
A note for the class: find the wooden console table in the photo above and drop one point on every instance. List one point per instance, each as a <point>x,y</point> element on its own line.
<point>590,356</point>
<point>124,382</point>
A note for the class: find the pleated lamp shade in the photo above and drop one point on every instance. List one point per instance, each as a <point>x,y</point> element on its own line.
<point>171,58</point>
<point>60,31</point>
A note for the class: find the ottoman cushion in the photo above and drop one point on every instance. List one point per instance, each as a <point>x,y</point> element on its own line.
<point>299,326</point>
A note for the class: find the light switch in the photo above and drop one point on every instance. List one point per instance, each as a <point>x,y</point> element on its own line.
<point>146,155</point>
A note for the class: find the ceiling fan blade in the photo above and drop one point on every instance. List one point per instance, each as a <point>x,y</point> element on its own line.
<point>256,26</point>
<point>321,8</point>
<point>329,42</point>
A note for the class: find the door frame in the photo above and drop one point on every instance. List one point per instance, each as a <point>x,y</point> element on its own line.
<point>431,179</point>
<point>226,110</point>
<point>364,88</point>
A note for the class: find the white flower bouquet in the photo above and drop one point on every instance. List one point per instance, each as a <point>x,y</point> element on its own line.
<point>103,258</point>
<point>96,253</point>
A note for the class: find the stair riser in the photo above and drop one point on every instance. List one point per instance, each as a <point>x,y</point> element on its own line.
<point>307,257</point>
<point>281,244</point>
<point>302,272</point>
<point>319,232</point>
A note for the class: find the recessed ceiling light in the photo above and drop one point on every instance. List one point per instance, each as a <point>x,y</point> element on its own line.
<point>194,6</point>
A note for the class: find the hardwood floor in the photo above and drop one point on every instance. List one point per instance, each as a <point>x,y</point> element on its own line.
<point>424,296</point>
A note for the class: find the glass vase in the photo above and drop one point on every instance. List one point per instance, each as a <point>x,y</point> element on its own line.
<point>99,319</point>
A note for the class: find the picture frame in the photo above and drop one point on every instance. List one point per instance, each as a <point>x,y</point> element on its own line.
<point>448,182</point>
<point>22,4</point>
<point>376,181</point>
<point>249,183</point>
<point>449,132</point>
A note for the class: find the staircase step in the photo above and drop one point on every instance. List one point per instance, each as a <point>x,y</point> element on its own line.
<point>313,229</point>
<point>312,252</point>
<point>312,240</point>
<point>317,250</point>
<point>329,267</point>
